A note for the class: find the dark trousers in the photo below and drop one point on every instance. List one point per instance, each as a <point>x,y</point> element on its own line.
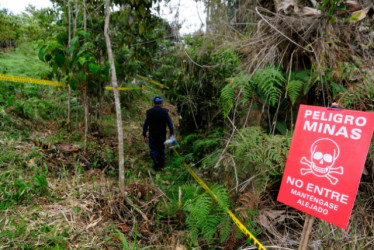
<point>157,152</point>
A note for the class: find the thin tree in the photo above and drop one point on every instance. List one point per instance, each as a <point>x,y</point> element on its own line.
<point>69,44</point>
<point>86,100</point>
<point>113,75</point>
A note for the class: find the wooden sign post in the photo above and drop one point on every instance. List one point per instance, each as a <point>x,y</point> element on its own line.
<point>307,231</point>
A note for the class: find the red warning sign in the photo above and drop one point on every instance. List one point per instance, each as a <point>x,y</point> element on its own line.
<point>325,162</point>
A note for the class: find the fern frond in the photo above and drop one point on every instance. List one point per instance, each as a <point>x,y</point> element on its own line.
<point>303,75</point>
<point>202,208</point>
<point>306,77</point>
<point>193,232</point>
<point>189,192</point>
<point>248,91</point>
<point>204,215</point>
<point>360,96</point>
<point>227,99</point>
<point>228,92</point>
<point>294,88</point>
<point>225,226</point>
<point>336,89</point>
<point>210,226</point>
<point>258,154</point>
<point>205,145</point>
<point>222,196</point>
<point>212,159</point>
<point>240,80</point>
<point>270,82</point>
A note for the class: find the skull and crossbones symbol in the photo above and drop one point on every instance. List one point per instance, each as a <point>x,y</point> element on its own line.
<point>324,153</point>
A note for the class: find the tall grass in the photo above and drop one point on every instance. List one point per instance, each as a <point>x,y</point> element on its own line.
<point>23,61</point>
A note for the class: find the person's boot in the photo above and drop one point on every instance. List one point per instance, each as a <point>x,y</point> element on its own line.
<point>156,165</point>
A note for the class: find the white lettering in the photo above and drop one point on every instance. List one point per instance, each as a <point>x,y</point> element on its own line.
<point>323,117</point>
<point>320,127</point>
<point>307,113</point>
<point>344,199</point>
<point>314,199</point>
<point>298,183</point>
<point>332,129</point>
<point>314,207</point>
<point>290,180</point>
<point>348,119</point>
<point>356,134</point>
<point>309,127</point>
<point>327,193</point>
<point>338,118</point>
<point>342,131</point>
<point>362,123</point>
<point>329,129</point>
<point>316,115</point>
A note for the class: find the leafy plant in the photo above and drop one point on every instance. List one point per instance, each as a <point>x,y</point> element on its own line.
<point>268,83</point>
<point>14,189</point>
<point>300,83</point>
<point>331,6</point>
<point>202,73</point>
<point>199,145</point>
<point>205,218</point>
<point>360,96</point>
<point>259,156</point>
<point>134,245</point>
<point>240,82</point>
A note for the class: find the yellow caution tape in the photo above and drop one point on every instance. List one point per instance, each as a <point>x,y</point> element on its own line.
<point>30,80</point>
<point>124,88</point>
<point>50,83</point>
<point>152,81</point>
<point>227,210</point>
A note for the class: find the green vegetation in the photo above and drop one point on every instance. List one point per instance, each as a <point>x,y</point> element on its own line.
<point>234,90</point>
<point>24,62</point>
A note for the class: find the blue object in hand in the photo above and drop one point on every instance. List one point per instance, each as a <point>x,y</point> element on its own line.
<point>171,141</point>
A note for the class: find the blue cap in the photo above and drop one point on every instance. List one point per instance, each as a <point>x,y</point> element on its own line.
<point>158,99</point>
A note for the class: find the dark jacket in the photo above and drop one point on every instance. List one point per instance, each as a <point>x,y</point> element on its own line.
<point>156,120</point>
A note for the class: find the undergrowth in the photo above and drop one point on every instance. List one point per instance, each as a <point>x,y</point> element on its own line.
<point>24,62</point>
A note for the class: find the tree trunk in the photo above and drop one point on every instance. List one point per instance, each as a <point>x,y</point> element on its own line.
<point>69,88</point>
<point>86,116</point>
<point>116,99</point>
<point>76,17</point>
<point>101,100</point>
<point>84,16</point>
<point>85,90</point>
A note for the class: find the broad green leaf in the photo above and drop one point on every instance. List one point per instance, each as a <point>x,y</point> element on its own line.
<point>59,59</point>
<point>141,28</point>
<point>62,38</point>
<point>65,78</point>
<point>73,83</point>
<point>82,77</point>
<point>94,68</point>
<point>74,41</point>
<point>52,45</point>
<point>41,53</point>
<point>47,58</point>
<point>142,10</point>
<point>86,35</point>
<point>82,60</point>
<point>87,46</point>
<point>71,49</point>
